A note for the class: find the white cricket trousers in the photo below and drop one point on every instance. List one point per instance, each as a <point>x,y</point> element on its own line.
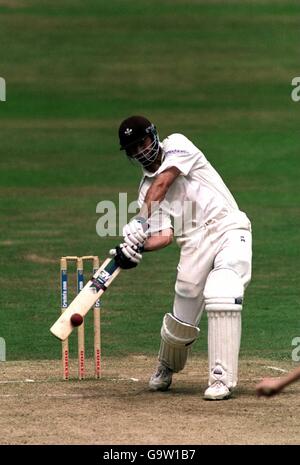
<point>215,249</point>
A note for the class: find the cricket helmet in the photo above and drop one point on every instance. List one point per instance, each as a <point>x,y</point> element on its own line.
<point>134,130</point>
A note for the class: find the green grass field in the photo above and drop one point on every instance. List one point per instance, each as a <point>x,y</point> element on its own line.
<point>219,72</point>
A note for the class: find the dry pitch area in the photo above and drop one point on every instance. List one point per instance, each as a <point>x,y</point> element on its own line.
<point>37,407</point>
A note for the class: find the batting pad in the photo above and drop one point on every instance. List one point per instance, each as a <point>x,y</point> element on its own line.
<point>176,339</point>
<point>223,295</point>
<point>224,335</point>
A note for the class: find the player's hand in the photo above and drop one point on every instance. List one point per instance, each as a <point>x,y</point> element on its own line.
<point>135,232</point>
<point>127,257</point>
<point>268,387</point>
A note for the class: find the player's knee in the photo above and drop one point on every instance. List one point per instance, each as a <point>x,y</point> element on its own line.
<point>177,333</point>
<point>176,340</point>
<point>245,272</point>
<point>242,267</point>
<point>187,289</point>
<point>224,291</point>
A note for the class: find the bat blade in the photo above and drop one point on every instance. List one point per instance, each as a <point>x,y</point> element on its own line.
<point>84,301</point>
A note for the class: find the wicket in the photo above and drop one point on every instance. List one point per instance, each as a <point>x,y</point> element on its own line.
<point>81,333</point>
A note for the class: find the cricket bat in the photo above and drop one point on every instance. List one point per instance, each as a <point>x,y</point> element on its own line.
<point>85,300</point>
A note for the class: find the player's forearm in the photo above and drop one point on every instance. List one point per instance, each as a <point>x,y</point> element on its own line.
<point>290,377</point>
<point>157,191</point>
<point>159,241</point>
<point>155,195</point>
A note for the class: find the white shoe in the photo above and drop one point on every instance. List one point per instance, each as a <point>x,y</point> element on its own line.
<point>161,379</point>
<point>217,391</point>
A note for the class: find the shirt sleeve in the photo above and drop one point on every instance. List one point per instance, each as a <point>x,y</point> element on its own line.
<point>159,221</point>
<point>181,153</point>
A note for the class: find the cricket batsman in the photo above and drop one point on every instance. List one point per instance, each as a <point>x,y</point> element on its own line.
<point>182,195</point>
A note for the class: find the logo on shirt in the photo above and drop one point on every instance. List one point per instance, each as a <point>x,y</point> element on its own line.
<point>175,151</point>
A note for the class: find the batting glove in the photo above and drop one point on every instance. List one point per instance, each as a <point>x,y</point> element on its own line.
<point>135,233</point>
<point>126,257</point>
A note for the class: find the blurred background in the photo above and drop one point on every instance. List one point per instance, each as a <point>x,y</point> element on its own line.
<point>219,72</point>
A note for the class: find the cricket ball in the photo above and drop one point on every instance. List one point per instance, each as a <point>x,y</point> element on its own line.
<point>76,319</point>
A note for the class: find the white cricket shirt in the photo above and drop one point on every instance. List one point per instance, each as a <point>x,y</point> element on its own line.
<point>197,197</point>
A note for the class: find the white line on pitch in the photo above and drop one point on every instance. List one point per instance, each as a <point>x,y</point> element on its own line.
<point>277,369</point>
<point>18,381</point>
<point>83,396</point>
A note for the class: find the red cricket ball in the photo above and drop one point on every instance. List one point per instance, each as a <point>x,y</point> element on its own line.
<point>76,319</point>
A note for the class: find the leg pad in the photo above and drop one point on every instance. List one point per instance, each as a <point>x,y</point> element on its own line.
<point>176,339</point>
<point>223,295</point>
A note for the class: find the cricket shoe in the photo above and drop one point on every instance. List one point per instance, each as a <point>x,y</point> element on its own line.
<point>217,391</point>
<point>161,379</point>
